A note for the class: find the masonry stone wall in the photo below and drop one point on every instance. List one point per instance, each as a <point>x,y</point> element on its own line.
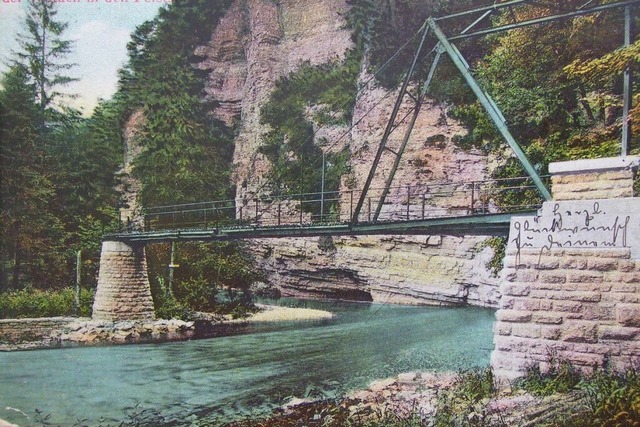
<point>609,178</point>
<point>17,331</point>
<point>577,305</point>
<point>123,291</point>
<point>603,185</point>
<point>571,283</point>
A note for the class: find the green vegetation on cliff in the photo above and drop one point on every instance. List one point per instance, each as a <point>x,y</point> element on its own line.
<point>186,155</point>
<point>558,85</point>
<point>323,95</point>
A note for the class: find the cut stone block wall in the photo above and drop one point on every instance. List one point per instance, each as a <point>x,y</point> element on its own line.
<point>17,331</point>
<point>123,291</point>
<point>576,305</point>
<point>571,280</point>
<point>593,179</point>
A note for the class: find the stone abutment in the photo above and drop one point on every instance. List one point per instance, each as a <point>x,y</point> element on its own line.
<point>571,280</point>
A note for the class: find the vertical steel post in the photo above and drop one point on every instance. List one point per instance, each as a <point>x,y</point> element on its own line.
<point>626,128</point>
<point>257,209</point>
<point>408,201</point>
<point>423,204</point>
<point>279,210</point>
<point>351,219</point>
<point>172,266</point>
<point>76,308</point>
<point>322,189</point>
<point>369,201</point>
<point>473,198</point>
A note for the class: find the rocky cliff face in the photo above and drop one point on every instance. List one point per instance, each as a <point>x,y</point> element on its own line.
<point>259,41</point>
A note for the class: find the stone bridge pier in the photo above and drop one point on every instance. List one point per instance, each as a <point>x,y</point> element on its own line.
<point>123,291</point>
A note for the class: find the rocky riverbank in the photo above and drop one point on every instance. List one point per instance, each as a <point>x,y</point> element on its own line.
<point>31,334</point>
<point>422,399</point>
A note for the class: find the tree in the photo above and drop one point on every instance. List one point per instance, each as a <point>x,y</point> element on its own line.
<point>28,228</point>
<point>43,53</point>
<point>187,155</point>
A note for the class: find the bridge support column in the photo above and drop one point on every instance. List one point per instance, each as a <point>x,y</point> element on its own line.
<point>123,290</point>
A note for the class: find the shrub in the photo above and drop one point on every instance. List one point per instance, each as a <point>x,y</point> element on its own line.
<point>464,403</point>
<point>613,399</point>
<point>562,377</point>
<point>30,302</point>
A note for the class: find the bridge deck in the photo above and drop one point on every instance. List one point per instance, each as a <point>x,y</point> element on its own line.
<point>482,225</point>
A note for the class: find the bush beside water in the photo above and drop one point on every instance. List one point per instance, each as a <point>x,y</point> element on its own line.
<point>28,303</point>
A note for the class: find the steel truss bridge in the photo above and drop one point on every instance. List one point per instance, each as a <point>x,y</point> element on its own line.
<point>480,208</point>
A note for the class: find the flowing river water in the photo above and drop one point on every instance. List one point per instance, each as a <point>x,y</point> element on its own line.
<point>246,374</point>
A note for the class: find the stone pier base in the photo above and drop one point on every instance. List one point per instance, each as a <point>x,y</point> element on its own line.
<point>123,285</point>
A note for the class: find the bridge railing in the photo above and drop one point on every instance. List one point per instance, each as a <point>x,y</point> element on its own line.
<point>402,203</point>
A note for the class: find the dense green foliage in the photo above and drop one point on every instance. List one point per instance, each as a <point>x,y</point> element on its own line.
<point>498,245</point>
<point>59,180</point>
<point>561,377</point>
<point>550,84</point>
<point>610,398</point>
<point>463,404</point>
<point>57,170</point>
<point>211,277</point>
<point>559,86</point>
<point>29,302</point>
<point>187,155</point>
<point>324,95</point>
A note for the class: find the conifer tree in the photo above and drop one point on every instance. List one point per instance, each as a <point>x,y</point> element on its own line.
<point>43,52</point>
<point>27,227</point>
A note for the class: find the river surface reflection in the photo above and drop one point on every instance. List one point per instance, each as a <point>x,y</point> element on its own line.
<point>248,373</point>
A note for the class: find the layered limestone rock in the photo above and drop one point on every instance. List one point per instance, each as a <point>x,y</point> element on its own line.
<point>129,186</point>
<point>259,41</point>
<point>393,269</point>
<point>256,43</point>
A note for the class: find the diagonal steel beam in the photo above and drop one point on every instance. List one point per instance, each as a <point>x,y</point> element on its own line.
<point>416,111</point>
<point>625,144</point>
<point>490,106</point>
<point>389,128</point>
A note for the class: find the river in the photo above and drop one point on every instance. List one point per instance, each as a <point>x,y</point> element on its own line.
<point>249,373</point>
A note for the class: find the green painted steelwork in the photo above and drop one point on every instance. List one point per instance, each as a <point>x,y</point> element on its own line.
<point>543,20</point>
<point>490,106</point>
<point>483,225</point>
<point>389,128</point>
<point>491,8</point>
<point>625,143</point>
<point>405,140</point>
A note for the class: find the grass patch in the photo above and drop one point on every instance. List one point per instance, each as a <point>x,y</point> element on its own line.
<point>562,377</point>
<point>464,404</point>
